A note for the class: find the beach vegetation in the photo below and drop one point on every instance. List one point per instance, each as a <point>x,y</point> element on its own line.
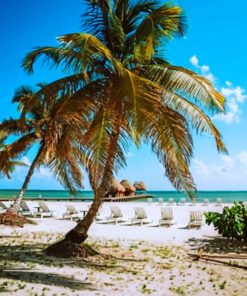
<point>118,80</point>
<point>231,223</point>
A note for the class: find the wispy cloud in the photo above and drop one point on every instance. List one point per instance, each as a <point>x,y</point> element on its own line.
<point>229,172</point>
<point>235,95</point>
<point>204,69</point>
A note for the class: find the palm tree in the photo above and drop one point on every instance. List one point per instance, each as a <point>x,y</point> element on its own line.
<point>51,124</point>
<point>119,64</point>
<point>8,167</point>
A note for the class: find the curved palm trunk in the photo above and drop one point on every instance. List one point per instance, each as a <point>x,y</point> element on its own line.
<point>69,246</point>
<point>17,204</point>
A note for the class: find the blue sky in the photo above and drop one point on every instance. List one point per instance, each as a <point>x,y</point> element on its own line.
<point>215,46</point>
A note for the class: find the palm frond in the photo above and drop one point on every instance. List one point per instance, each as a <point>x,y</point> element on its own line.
<point>140,97</point>
<point>195,116</point>
<point>164,23</point>
<point>172,143</point>
<point>186,83</point>
<point>96,142</point>
<point>18,147</point>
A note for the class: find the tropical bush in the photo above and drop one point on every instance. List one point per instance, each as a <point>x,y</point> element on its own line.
<point>232,223</point>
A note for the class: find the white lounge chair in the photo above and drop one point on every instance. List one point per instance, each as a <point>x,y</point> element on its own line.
<point>196,219</point>
<point>140,217</point>
<point>193,202</point>
<point>219,201</point>
<point>72,213</point>
<point>25,210</point>
<point>206,202</point>
<point>160,201</point>
<point>171,201</point>
<point>43,210</point>
<point>182,201</point>
<point>150,200</point>
<point>116,216</point>
<point>166,217</point>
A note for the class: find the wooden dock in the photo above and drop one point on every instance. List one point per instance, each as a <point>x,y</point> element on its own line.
<point>127,198</point>
<point>80,199</point>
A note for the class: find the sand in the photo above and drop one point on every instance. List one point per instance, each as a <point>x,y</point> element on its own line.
<point>133,260</point>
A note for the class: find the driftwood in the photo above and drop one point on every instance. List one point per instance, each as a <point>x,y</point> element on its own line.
<point>207,257</point>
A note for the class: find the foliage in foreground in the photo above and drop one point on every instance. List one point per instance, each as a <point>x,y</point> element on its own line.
<point>232,223</point>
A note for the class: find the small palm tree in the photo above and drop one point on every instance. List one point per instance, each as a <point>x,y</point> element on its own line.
<point>49,123</point>
<point>119,65</point>
<point>8,167</point>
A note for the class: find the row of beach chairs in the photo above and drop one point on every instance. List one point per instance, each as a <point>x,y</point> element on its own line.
<point>43,211</point>
<point>116,216</point>
<point>182,201</point>
<point>141,218</point>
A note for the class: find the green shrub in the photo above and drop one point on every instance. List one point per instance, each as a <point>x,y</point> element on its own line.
<point>231,223</point>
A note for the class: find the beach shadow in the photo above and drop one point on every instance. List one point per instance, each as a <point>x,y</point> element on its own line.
<point>38,277</point>
<point>32,254</point>
<point>218,245</point>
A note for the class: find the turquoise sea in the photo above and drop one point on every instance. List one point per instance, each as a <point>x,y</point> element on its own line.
<point>227,196</point>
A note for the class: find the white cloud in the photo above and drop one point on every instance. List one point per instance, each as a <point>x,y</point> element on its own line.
<point>204,69</point>
<point>26,160</point>
<point>42,173</point>
<point>194,61</point>
<point>234,97</point>
<point>237,93</point>
<point>130,154</point>
<point>228,173</point>
<point>242,157</point>
<point>228,160</point>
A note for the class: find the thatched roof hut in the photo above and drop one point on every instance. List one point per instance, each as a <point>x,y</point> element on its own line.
<point>116,189</point>
<point>129,188</point>
<point>139,185</point>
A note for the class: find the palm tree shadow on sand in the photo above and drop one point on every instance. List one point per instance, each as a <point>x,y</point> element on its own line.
<point>39,277</point>
<point>218,245</point>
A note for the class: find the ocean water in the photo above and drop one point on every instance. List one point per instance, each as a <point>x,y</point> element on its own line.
<point>227,196</point>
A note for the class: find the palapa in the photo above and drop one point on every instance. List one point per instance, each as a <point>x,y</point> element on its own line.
<point>129,188</point>
<point>116,189</point>
<point>139,185</point>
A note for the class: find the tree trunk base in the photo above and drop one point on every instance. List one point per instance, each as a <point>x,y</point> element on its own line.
<point>13,219</point>
<point>66,248</point>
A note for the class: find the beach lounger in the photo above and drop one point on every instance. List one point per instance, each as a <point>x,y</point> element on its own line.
<point>140,217</point>
<point>25,210</point>
<point>206,202</point>
<point>150,200</point>
<point>182,201</point>
<point>166,217</point>
<point>218,201</point>
<point>171,201</point>
<point>43,210</point>
<point>193,202</point>
<point>196,219</point>
<point>116,216</point>
<point>160,201</point>
<point>72,213</point>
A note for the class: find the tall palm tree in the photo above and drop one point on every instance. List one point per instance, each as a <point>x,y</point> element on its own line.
<point>51,124</point>
<point>119,64</point>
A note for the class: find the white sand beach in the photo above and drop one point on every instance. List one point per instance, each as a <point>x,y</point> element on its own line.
<point>132,260</point>
<point>176,234</point>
